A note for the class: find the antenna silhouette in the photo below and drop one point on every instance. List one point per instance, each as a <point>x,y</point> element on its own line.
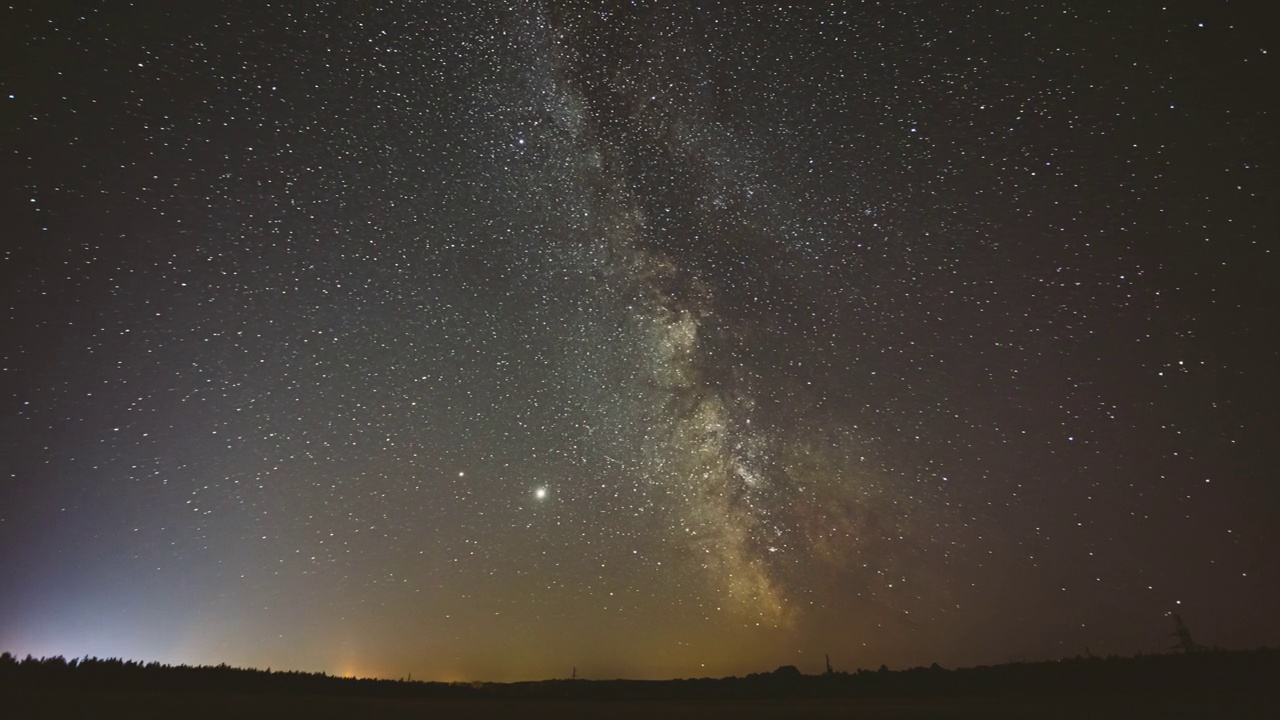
<point>1185,643</point>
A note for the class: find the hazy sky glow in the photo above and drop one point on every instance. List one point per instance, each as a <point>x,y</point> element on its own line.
<point>490,340</point>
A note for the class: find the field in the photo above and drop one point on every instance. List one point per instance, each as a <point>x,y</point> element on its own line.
<point>106,704</point>
<point>1201,684</point>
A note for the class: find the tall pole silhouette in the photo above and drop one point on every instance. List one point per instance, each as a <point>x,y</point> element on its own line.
<point>1185,643</point>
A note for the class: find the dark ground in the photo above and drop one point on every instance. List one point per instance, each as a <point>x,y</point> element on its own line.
<point>1191,684</point>
<point>107,704</point>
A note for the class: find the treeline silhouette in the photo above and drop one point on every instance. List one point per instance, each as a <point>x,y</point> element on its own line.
<point>1214,672</point>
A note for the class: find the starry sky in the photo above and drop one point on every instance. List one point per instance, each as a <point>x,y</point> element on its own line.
<point>487,340</point>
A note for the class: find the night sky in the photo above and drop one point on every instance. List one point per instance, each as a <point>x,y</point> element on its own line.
<point>487,340</point>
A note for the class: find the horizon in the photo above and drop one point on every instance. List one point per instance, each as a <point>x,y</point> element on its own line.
<point>1168,652</point>
<point>657,340</point>
<point>582,673</point>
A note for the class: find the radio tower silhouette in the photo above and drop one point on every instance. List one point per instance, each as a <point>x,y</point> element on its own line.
<point>1185,643</point>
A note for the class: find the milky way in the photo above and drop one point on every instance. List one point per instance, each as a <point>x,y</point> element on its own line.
<point>740,499</point>
<point>490,341</point>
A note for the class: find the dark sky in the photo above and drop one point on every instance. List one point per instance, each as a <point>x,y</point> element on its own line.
<point>485,340</point>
